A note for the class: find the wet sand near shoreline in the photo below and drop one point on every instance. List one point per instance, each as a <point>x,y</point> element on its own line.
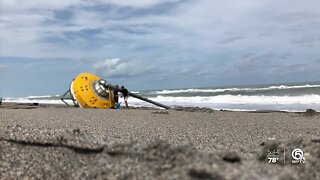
<point>57,142</point>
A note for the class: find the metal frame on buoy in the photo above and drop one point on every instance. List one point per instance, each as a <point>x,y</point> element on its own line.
<point>65,97</point>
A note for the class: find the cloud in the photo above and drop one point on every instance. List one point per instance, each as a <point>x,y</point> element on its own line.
<point>17,5</point>
<point>138,3</point>
<point>186,39</point>
<point>2,67</point>
<point>263,63</point>
<point>306,41</point>
<point>52,4</point>
<point>117,68</point>
<point>42,28</point>
<point>229,40</point>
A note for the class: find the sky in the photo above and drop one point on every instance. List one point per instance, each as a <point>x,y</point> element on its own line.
<point>157,44</point>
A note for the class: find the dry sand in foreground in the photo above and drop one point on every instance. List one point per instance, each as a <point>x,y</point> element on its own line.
<point>51,143</point>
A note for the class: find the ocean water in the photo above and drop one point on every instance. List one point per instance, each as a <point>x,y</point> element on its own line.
<point>284,97</point>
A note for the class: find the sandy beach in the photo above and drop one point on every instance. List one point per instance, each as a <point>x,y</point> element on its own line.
<point>53,142</point>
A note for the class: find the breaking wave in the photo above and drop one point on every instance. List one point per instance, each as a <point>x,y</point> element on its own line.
<point>280,87</point>
<point>239,102</point>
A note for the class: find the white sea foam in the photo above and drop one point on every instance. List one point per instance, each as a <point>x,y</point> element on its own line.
<point>135,92</point>
<point>32,97</point>
<point>234,89</point>
<point>41,101</point>
<point>238,99</point>
<point>238,102</point>
<point>38,97</point>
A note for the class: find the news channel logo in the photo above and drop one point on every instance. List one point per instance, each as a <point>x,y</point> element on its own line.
<point>274,155</point>
<point>297,155</point>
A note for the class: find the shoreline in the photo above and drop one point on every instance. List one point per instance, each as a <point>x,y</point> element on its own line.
<point>17,105</point>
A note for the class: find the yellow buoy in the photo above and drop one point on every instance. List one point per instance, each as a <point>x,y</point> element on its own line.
<point>90,91</point>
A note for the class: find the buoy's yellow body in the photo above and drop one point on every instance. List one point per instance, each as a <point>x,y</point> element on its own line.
<point>88,93</point>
